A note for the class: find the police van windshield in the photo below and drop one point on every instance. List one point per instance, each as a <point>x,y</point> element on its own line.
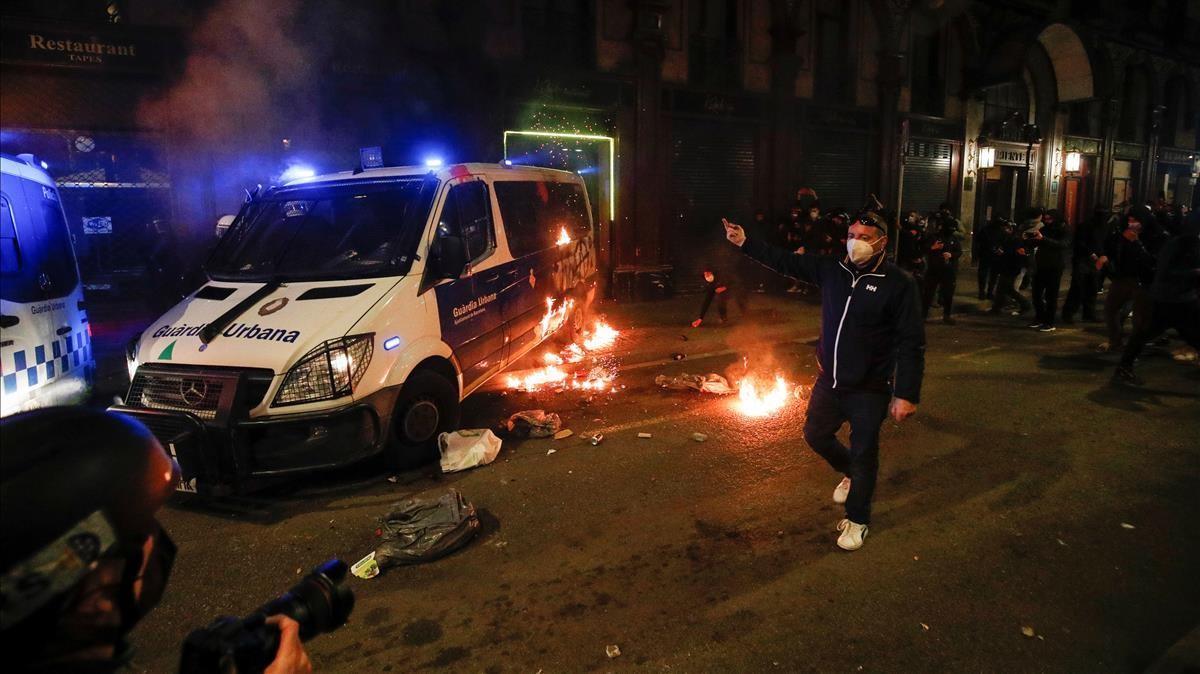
<point>326,232</point>
<point>37,261</point>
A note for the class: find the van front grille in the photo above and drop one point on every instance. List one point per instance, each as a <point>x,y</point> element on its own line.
<point>181,391</point>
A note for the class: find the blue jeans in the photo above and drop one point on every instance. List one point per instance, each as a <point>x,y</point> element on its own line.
<point>828,409</point>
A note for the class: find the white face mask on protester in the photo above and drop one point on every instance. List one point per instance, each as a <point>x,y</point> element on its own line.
<point>859,251</point>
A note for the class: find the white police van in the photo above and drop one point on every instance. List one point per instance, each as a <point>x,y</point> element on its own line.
<point>349,314</point>
<point>45,342</point>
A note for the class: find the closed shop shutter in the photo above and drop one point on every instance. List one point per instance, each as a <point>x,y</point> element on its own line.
<point>926,176</point>
<point>834,164</point>
<point>712,177</point>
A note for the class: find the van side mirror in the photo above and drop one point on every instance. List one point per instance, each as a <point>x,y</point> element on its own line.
<point>448,257</point>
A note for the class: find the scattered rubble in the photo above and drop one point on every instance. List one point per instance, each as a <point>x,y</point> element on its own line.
<point>705,383</point>
<point>467,448</point>
<point>533,424</point>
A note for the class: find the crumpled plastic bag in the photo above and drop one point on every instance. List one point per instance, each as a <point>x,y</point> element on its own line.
<point>467,448</point>
<point>422,529</point>
<point>533,424</point>
<point>705,383</point>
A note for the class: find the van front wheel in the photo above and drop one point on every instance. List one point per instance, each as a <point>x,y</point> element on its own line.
<point>427,406</point>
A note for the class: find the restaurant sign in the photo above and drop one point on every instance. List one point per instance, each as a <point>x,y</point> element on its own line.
<point>93,48</point>
<point>1013,154</point>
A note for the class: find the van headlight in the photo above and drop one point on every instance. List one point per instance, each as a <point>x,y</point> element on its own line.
<point>329,371</point>
<point>131,351</point>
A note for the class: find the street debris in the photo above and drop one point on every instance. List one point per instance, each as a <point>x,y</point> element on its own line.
<point>422,529</point>
<point>365,568</point>
<point>550,451</point>
<point>500,544</point>
<point>596,439</point>
<point>1061,542</point>
<point>533,424</point>
<point>612,650</point>
<point>678,356</point>
<point>705,383</point>
<point>1028,631</point>
<point>1127,525</point>
<point>925,626</point>
<point>645,435</point>
<point>564,433</point>
<point>467,448</point>
<point>699,437</point>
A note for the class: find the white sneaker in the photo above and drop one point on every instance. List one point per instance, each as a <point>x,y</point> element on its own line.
<point>852,536</point>
<point>841,491</point>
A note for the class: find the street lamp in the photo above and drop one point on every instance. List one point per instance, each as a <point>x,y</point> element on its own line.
<point>1073,162</point>
<point>987,155</point>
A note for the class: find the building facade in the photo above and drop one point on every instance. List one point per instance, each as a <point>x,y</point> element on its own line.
<point>677,112</point>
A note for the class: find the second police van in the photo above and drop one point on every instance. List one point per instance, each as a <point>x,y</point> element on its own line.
<point>349,314</point>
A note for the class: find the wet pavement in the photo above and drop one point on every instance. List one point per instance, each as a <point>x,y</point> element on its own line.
<point>1002,505</point>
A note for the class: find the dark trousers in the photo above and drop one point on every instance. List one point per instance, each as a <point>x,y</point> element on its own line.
<point>828,409</point>
<point>1046,284</point>
<point>943,277</point>
<point>987,275</point>
<point>1082,293</point>
<point>1123,291</point>
<point>1183,316</point>
<point>722,303</point>
<point>1006,289</point>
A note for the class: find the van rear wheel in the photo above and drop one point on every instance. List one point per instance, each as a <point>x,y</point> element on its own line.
<point>428,406</point>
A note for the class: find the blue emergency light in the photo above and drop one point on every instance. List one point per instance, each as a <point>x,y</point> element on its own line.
<point>391,343</point>
<point>296,172</point>
<point>433,162</point>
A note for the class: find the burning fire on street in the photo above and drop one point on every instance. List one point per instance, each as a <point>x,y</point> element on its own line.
<point>563,237</point>
<point>761,398</point>
<point>596,377</point>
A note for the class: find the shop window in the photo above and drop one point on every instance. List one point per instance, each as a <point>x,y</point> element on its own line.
<point>928,55</point>
<point>832,71</point>
<point>713,46</point>
<point>558,32</point>
<point>1005,111</point>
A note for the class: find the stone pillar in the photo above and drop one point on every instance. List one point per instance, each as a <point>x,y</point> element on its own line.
<point>785,65</point>
<point>1147,183</point>
<point>1111,114</point>
<point>892,67</point>
<point>972,180</point>
<point>643,245</point>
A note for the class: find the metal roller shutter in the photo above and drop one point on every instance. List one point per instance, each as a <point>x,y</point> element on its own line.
<point>926,176</point>
<point>835,165</point>
<point>712,177</point>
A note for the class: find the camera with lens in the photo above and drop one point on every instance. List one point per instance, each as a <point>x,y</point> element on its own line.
<point>319,603</point>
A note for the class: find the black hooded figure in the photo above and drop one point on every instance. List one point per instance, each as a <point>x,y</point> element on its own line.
<point>1048,266</point>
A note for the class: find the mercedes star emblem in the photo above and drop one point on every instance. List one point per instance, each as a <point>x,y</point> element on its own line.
<point>193,391</point>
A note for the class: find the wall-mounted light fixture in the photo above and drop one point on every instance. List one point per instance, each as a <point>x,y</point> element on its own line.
<point>1073,162</point>
<point>987,156</point>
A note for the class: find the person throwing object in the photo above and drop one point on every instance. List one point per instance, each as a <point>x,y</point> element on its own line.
<point>871,356</point>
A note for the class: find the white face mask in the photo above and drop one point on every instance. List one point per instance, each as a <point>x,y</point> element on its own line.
<point>859,251</point>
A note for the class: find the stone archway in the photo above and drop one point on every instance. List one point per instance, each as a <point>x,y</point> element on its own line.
<point>1072,65</point>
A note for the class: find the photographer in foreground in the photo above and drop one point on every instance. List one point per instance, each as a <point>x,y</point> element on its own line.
<point>82,558</point>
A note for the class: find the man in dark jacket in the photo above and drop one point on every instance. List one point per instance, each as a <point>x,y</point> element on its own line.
<point>911,254</point>
<point>942,251</point>
<point>1131,267</point>
<point>1049,263</point>
<point>871,356</point>
<point>1086,248</point>
<point>988,250</point>
<point>1176,301</point>
<point>1010,260</point>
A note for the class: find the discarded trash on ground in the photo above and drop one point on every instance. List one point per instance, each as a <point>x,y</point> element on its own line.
<point>705,383</point>
<point>564,433</point>
<point>612,650</point>
<point>645,435</point>
<point>1027,631</point>
<point>533,424</point>
<point>366,568</point>
<point>699,437</point>
<point>678,356</point>
<point>467,448</point>
<point>1127,525</point>
<point>422,529</point>
<point>596,439</point>
<point>550,451</point>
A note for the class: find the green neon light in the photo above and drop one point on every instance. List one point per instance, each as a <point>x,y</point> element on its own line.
<point>612,159</point>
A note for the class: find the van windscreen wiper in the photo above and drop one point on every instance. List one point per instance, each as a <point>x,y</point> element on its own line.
<point>210,331</point>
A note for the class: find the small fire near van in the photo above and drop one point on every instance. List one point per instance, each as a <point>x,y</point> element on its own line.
<point>349,314</point>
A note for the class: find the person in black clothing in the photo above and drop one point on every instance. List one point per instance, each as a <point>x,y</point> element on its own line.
<point>1086,248</point>
<point>719,291</point>
<point>1010,260</point>
<point>871,356</point>
<point>988,251</point>
<point>911,255</point>
<point>1176,301</point>
<point>1130,266</point>
<point>1049,263</point>
<point>942,251</point>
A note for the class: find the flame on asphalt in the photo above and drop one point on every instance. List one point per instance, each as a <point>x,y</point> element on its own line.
<point>598,377</point>
<point>757,398</point>
<point>563,237</point>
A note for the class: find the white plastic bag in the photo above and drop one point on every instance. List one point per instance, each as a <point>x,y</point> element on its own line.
<point>467,448</point>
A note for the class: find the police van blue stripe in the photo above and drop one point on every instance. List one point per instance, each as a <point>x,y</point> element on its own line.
<point>40,354</point>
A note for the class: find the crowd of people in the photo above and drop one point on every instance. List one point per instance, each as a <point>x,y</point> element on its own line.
<point>1143,261</point>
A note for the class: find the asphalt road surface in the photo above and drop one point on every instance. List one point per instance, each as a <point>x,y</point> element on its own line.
<point>1027,493</point>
